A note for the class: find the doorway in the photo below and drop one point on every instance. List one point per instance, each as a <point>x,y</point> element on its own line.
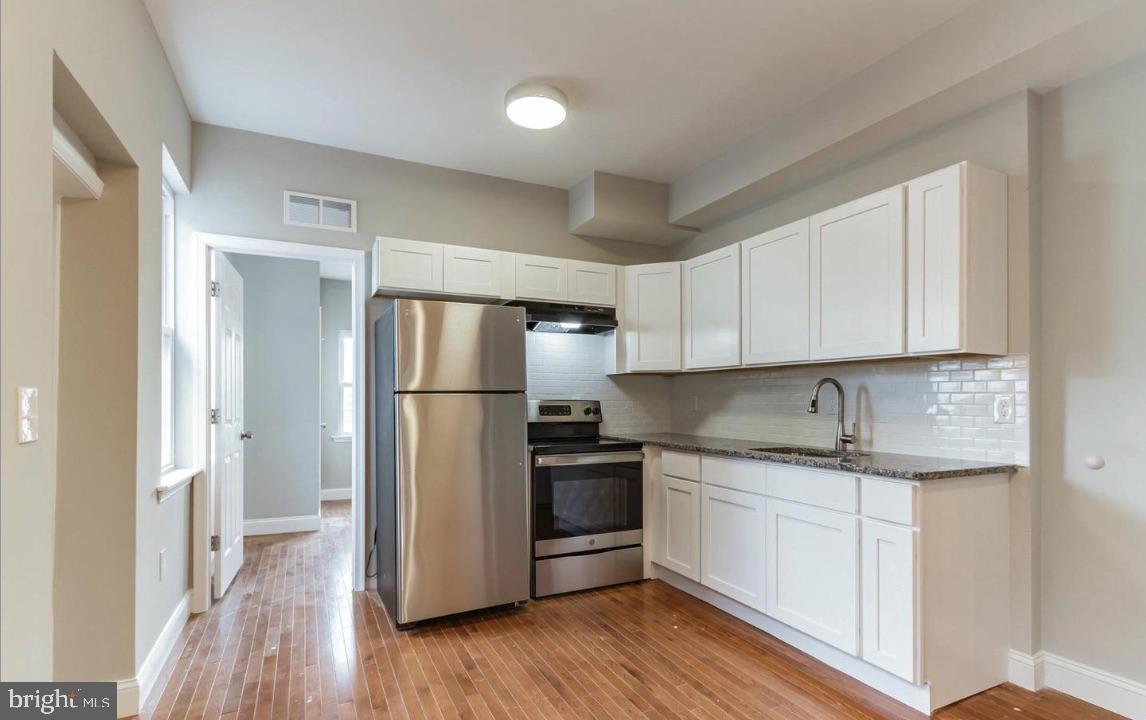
<point>303,428</point>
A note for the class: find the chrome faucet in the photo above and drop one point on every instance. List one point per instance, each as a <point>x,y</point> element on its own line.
<point>842,439</point>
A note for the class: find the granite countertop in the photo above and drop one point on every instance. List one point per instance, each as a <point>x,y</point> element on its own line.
<point>892,465</point>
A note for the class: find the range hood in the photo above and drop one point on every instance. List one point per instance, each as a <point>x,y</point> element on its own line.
<point>569,319</point>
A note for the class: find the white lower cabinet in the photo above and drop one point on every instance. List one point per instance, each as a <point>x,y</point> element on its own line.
<point>680,526</point>
<point>732,544</point>
<point>812,579</point>
<point>887,581</point>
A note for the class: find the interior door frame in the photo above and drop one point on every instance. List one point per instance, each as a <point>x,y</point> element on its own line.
<point>203,527</point>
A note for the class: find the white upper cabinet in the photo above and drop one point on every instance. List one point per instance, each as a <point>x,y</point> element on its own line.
<point>957,261</point>
<point>541,278</point>
<point>472,271</point>
<point>774,296</point>
<point>592,283</point>
<point>889,598</point>
<point>711,309</point>
<point>857,278</point>
<point>651,317</point>
<point>407,265</point>
<point>812,581</point>
<point>732,544</point>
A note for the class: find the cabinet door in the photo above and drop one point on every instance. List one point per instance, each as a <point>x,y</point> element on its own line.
<point>857,278</point>
<point>732,544</point>
<point>592,283</point>
<point>934,261</point>
<point>888,578</point>
<point>774,295</point>
<point>812,581</point>
<point>408,264</point>
<point>541,278</point>
<point>651,317</point>
<point>712,309</point>
<point>680,523</point>
<point>472,271</point>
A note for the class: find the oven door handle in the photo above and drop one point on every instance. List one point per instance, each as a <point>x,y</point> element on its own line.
<point>589,458</point>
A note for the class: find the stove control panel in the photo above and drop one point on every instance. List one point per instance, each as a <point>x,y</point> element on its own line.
<point>564,411</point>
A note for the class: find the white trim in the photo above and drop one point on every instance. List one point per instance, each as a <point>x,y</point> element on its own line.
<point>915,696</point>
<point>126,698</point>
<point>360,292</point>
<point>1022,670</point>
<point>174,479</point>
<point>1097,687</point>
<point>273,526</point>
<point>341,438</point>
<point>164,644</point>
<point>74,156</point>
<point>336,493</point>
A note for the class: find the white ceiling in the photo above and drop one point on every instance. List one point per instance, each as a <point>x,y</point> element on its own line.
<point>656,87</point>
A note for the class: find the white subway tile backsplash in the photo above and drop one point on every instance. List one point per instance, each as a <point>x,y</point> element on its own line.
<point>941,408</point>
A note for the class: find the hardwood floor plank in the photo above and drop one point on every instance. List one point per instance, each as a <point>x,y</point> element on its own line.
<point>291,640</point>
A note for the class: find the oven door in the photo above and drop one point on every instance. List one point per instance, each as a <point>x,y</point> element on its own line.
<point>586,501</point>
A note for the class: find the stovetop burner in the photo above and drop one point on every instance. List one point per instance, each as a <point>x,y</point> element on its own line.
<point>570,426</point>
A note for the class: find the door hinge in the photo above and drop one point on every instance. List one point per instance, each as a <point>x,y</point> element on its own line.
<point>215,289</point>
<point>213,416</point>
<point>214,542</point>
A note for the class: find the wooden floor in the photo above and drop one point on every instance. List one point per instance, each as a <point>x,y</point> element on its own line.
<point>291,640</point>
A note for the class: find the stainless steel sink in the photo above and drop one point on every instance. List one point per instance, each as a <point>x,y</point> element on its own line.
<point>841,455</point>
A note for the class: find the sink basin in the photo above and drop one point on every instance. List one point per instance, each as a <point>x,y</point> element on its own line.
<point>842,455</point>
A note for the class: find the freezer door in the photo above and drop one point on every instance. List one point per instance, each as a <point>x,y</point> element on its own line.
<point>463,503</point>
<point>460,347</point>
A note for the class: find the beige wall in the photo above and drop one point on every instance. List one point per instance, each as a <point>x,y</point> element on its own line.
<point>240,178</point>
<point>111,49</point>
<point>1093,343</point>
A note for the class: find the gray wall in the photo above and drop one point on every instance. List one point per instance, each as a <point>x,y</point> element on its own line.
<point>240,177</point>
<point>281,386</point>
<point>1093,345</point>
<point>336,456</point>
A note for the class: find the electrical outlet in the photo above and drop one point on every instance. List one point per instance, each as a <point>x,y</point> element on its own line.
<point>162,563</point>
<point>1004,409</point>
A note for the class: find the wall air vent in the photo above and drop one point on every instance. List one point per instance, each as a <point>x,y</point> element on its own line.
<point>319,211</point>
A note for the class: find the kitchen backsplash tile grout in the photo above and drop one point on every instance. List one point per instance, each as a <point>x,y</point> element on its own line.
<point>942,408</point>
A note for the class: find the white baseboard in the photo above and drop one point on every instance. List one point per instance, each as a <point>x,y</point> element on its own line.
<point>126,698</point>
<point>131,694</point>
<point>273,526</point>
<point>336,493</point>
<point>164,644</point>
<point>1097,687</point>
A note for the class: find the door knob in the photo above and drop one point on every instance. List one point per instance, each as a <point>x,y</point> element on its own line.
<point>244,435</point>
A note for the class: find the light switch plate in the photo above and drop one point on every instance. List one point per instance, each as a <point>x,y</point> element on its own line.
<point>28,420</point>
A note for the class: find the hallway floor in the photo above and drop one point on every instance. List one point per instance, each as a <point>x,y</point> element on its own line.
<point>291,640</point>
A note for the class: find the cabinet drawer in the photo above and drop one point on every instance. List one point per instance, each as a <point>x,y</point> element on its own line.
<point>829,490</point>
<point>886,500</point>
<point>742,475</point>
<point>681,465</point>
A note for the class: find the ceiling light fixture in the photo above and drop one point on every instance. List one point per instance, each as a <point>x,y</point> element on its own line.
<point>535,106</point>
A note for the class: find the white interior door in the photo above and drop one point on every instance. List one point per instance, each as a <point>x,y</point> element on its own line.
<point>227,431</point>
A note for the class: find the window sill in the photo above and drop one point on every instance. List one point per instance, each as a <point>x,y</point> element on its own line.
<point>174,480</point>
<point>341,438</point>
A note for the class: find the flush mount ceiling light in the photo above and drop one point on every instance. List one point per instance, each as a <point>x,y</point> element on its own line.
<point>535,106</point>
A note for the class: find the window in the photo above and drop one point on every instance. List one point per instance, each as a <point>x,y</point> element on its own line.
<point>167,311</point>
<point>345,385</point>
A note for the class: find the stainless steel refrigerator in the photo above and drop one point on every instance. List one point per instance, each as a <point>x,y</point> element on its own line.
<point>451,477</point>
